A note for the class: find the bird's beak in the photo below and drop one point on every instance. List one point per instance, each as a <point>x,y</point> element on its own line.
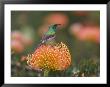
<point>58,26</point>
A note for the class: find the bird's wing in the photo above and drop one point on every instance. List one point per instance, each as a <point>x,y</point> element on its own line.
<point>46,37</point>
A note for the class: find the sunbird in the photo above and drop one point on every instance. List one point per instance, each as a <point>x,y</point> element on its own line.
<point>50,35</point>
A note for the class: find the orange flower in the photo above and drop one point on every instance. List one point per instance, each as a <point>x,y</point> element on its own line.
<point>19,41</point>
<point>56,18</point>
<point>86,33</point>
<point>16,35</point>
<point>90,34</point>
<point>49,57</point>
<point>17,46</point>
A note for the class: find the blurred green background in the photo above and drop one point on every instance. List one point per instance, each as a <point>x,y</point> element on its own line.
<point>80,31</point>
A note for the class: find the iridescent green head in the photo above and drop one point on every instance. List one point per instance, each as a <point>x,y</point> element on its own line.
<point>54,26</point>
<point>52,29</point>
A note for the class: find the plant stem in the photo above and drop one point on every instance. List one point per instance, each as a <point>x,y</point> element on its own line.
<point>46,72</point>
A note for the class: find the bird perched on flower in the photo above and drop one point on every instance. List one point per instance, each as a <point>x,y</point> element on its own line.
<point>50,55</point>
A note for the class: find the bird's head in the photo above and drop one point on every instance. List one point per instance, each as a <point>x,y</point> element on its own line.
<point>52,29</point>
<point>54,26</point>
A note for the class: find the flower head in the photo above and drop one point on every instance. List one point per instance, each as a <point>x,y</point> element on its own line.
<point>56,18</point>
<point>16,35</point>
<point>17,46</point>
<point>19,41</point>
<point>86,33</point>
<point>50,57</point>
<point>90,34</point>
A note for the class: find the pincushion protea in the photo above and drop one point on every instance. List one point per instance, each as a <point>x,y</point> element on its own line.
<point>47,57</point>
<point>50,55</point>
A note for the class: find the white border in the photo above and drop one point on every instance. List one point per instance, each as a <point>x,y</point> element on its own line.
<point>56,80</point>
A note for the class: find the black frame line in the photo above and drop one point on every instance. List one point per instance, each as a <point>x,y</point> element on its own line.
<point>3,2</point>
<point>108,40</point>
<point>2,43</point>
<point>54,1</point>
